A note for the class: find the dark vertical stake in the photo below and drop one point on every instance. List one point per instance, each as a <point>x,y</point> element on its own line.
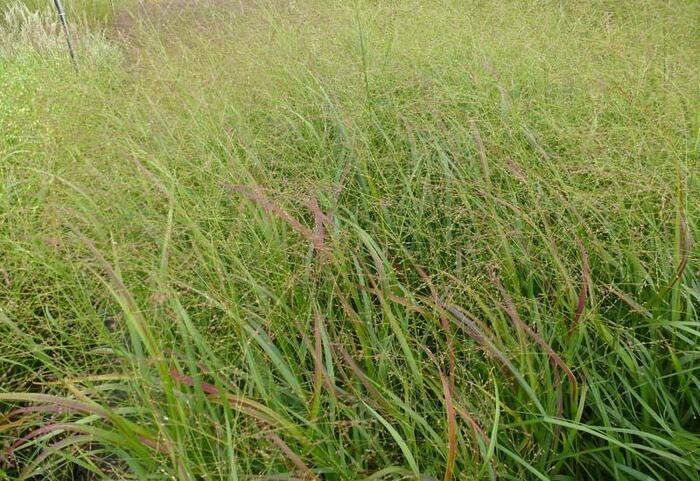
<point>62,18</point>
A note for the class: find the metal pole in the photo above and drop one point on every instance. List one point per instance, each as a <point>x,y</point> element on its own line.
<point>62,18</point>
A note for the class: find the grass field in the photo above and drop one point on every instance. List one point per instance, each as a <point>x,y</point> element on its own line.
<point>350,240</point>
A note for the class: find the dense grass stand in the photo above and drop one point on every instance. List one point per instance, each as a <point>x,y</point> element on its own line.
<point>350,240</point>
<point>62,18</point>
